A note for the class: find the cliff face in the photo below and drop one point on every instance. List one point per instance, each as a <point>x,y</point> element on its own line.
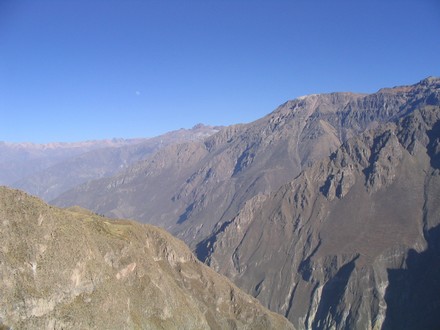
<point>352,242</point>
<point>71,269</point>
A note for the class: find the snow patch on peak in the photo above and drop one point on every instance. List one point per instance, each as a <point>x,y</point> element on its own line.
<point>306,96</point>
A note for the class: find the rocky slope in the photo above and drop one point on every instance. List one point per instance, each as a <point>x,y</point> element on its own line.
<point>102,162</point>
<point>195,188</point>
<point>352,242</point>
<point>70,269</point>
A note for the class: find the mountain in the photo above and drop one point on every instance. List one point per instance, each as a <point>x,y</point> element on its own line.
<point>193,189</point>
<point>19,160</point>
<point>326,210</point>
<point>102,162</point>
<point>71,269</point>
<point>353,241</point>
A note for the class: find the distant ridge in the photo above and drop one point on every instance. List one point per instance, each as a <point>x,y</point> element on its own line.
<point>19,160</point>
<point>114,142</point>
<point>83,161</point>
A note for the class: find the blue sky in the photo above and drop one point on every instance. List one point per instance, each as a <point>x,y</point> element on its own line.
<point>95,69</point>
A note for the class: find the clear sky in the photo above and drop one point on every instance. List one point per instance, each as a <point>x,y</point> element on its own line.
<point>73,70</point>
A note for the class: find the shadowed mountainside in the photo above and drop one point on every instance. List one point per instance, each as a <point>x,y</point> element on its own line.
<point>413,293</point>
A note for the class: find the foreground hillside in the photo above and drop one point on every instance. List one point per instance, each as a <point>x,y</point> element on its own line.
<point>64,269</point>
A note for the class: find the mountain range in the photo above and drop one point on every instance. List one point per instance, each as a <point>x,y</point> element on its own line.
<point>193,188</point>
<point>51,169</point>
<point>22,159</point>
<point>326,210</point>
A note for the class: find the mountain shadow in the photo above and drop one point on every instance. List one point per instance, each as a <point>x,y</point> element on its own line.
<point>413,294</point>
<point>434,145</point>
<point>204,248</point>
<point>332,294</point>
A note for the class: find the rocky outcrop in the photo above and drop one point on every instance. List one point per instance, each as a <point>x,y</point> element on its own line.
<point>349,242</point>
<point>71,269</point>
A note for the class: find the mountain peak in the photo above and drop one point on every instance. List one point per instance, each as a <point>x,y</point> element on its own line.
<point>199,126</point>
<point>431,80</point>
